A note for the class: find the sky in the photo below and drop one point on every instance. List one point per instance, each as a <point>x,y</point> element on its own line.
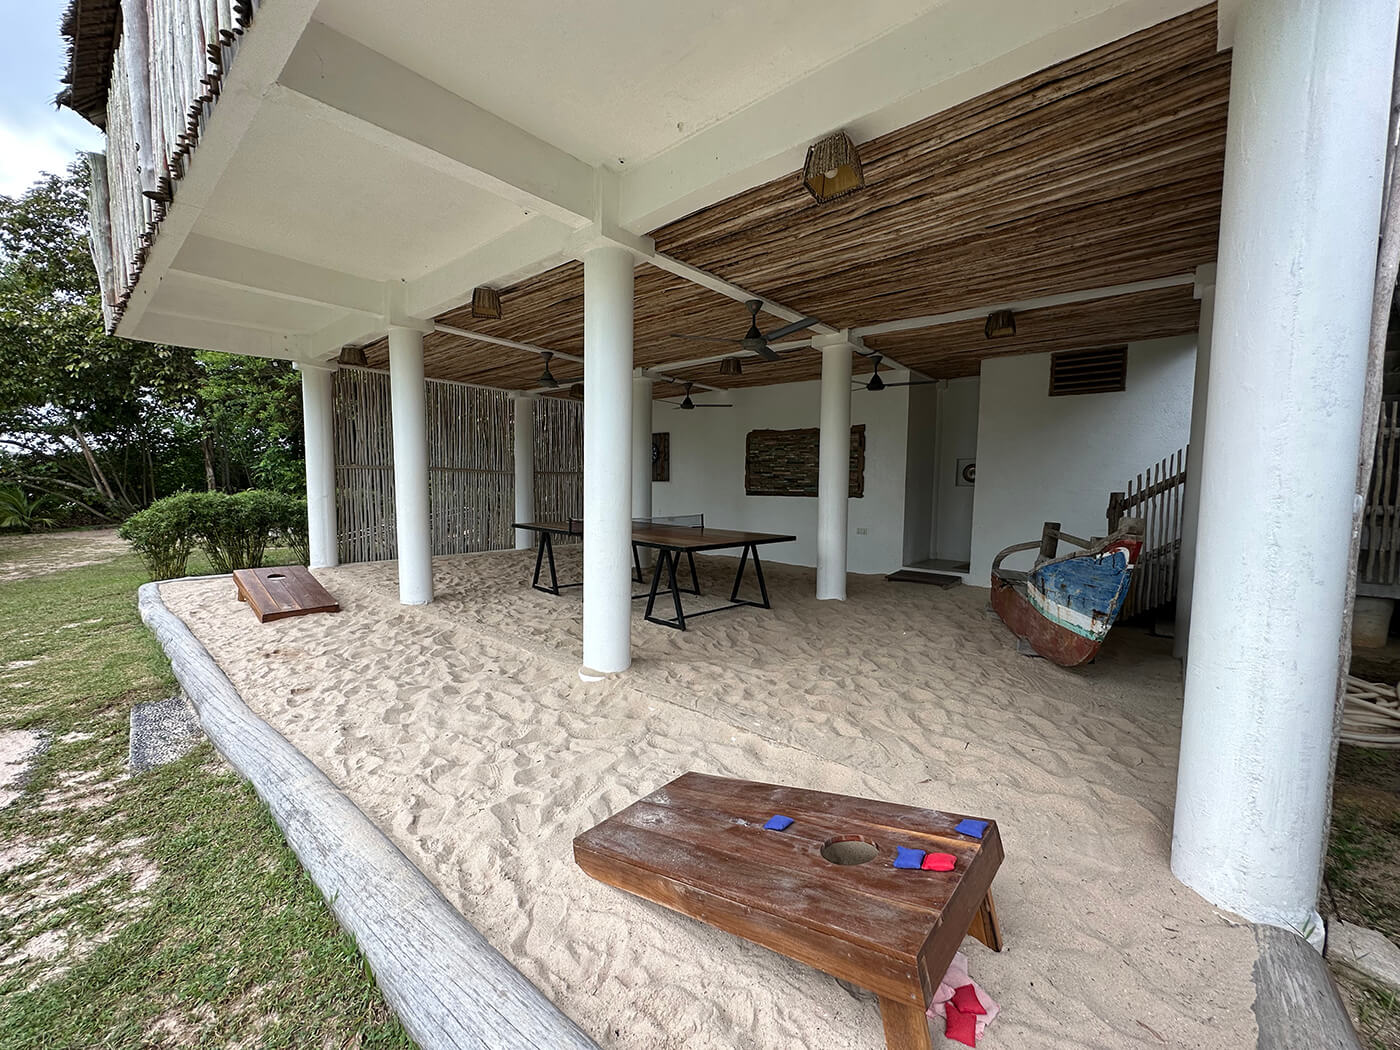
<point>34,136</point>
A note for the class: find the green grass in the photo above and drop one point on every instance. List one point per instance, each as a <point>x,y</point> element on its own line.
<point>229,943</point>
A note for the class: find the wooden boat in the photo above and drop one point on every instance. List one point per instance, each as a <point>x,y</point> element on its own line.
<point>1064,607</point>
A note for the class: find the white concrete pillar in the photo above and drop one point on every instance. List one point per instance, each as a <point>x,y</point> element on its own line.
<point>1300,215</point>
<point>834,471</point>
<point>641,446</point>
<point>318,426</point>
<point>407,403</point>
<point>523,407</point>
<point>1191,498</point>
<point>607,460</point>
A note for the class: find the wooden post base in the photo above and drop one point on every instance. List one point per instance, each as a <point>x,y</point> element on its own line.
<point>906,1026</point>
<point>984,925</point>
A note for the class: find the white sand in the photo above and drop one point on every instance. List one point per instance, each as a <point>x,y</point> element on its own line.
<point>463,730</point>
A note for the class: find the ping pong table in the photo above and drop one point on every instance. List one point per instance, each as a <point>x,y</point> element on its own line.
<point>670,537</point>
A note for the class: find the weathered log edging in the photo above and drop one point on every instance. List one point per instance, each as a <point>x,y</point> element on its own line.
<point>1297,1006</point>
<point>448,986</point>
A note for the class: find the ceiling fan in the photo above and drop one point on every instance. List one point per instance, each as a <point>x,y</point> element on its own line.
<point>687,404</point>
<point>755,341</point>
<point>877,384</point>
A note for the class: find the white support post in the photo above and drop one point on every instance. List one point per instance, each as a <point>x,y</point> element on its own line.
<point>407,404</point>
<point>607,460</point>
<point>318,426</point>
<point>1191,498</point>
<point>641,446</point>
<point>523,406</point>
<point>1304,161</point>
<point>834,469</point>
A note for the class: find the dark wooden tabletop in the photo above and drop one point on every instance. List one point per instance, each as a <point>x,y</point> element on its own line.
<point>698,845</point>
<point>671,537</point>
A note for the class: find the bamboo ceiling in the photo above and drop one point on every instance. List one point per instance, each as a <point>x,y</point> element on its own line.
<point>1101,170</point>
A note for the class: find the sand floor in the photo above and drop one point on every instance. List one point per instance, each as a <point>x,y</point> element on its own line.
<point>463,730</point>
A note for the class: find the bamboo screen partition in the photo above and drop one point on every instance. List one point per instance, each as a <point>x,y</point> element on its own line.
<point>1157,496</point>
<point>471,475</point>
<point>1380,527</point>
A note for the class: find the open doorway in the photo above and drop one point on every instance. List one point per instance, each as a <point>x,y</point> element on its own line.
<point>942,476</point>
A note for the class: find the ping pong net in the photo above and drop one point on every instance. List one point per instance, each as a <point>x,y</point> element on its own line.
<point>680,521</point>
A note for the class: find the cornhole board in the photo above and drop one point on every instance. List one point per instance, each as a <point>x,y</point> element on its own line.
<point>698,846</point>
<point>279,591</point>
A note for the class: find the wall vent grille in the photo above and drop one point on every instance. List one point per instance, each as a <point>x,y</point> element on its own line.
<point>1100,371</point>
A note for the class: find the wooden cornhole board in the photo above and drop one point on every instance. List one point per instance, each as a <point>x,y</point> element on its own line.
<point>698,846</point>
<point>280,591</point>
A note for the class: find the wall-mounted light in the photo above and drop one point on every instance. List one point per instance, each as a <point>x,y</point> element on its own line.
<point>833,168</point>
<point>999,323</point>
<point>731,366</point>
<point>486,303</point>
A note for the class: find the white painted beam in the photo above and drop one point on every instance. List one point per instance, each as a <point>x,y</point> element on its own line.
<point>1061,299</point>
<point>536,245</point>
<point>262,53</point>
<point>201,334</point>
<point>234,266</point>
<point>714,283</point>
<point>340,81</point>
<point>496,340</point>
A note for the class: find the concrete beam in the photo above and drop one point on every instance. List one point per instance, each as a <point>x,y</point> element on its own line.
<point>235,266</point>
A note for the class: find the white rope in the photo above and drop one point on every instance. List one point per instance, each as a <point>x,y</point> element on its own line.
<point>1371,716</point>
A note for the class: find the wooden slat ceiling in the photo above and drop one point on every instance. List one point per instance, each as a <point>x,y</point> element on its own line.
<point>1102,170</point>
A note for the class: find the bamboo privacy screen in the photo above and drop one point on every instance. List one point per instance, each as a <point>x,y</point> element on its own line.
<point>1157,497</point>
<point>1380,529</point>
<point>471,477</point>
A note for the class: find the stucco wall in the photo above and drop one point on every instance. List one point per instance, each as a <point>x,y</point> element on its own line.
<point>957,439</point>
<point>707,471</point>
<point>1042,458</point>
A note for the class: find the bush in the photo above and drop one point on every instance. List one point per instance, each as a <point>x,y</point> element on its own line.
<point>232,530</point>
<point>163,535</point>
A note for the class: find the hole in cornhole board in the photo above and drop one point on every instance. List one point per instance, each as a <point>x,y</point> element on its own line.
<point>849,849</point>
<point>276,576</point>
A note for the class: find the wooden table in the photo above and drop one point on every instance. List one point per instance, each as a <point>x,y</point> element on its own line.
<point>698,846</point>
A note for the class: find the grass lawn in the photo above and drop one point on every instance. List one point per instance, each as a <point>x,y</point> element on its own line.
<point>161,909</point>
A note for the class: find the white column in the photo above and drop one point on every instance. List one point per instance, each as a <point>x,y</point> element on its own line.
<point>607,461</point>
<point>1191,498</point>
<point>641,447</point>
<point>834,471</point>
<point>407,406</point>
<point>1309,96</point>
<point>523,406</point>
<point>318,426</point>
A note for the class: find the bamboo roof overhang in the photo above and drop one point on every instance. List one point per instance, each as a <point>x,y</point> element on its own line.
<point>92,28</point>
<point>1101,170</point>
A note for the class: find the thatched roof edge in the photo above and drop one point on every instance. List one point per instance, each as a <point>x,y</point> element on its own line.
<point>92,29</point>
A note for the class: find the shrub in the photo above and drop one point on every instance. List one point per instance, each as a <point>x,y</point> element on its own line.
<point>295,532</point>
<point>19,511</point>
<point>163,535</point>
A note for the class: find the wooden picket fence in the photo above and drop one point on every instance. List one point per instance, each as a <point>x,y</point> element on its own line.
<point>1380,528</point>
<point>1157,496</point>
<point>471,474</point>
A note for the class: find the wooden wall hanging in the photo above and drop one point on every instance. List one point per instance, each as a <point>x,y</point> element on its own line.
<point>786,462</point>
<point>661,457</point>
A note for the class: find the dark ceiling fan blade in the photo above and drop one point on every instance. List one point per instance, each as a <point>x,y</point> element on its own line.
<point>704,338</point>
<point>788,329</point>
<point>767,352</point>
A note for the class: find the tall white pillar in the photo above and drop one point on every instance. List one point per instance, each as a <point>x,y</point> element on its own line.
<point>607,460</point>
<point>641,446</point>
<point>1191,498</point>
<point>407,406</point>
<point>1309,97</point>
<point>318,426</point>
<point>834,471</point>
<point>523,407</point>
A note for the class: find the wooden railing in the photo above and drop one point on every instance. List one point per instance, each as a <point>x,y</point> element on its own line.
<point>167,75</point>
<point>1380,527</point>
<point>1156,496</point>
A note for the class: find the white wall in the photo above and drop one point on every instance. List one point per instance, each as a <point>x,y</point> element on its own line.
<point>707,470</point>
<point>1042,458</point>
<point>921,472</point>
<point>958,407</point>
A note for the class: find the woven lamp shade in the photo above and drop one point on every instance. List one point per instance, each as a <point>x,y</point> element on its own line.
<point>1000,322</point>
<point>833,168</point>
<point>353,355</point>
<point>731,366</point>
<point>486,303</point>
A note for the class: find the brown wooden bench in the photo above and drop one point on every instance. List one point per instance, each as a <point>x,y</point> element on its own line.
<point>279,591</point>
<point>698,846</point>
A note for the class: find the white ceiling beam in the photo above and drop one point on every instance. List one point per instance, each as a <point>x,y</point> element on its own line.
<point>235,266</point>
<point>350,330</point>
<point>533,247</point>
<point>262,53</point>
<point>495,340</point>
<point>1061,299</point>
<point>714,283</point>
<point>201,334</point>
<point>953,53</point>
<point>340,81</point>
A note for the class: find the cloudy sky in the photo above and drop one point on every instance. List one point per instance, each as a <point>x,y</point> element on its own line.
<point>34,137</point>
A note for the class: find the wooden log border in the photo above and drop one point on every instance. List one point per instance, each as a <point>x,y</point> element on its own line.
<point>1298,1006</point>
<point>444,981</point>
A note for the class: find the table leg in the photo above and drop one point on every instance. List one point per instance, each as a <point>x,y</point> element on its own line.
<point>985,926</point>
<point>546,547</point>
<point>751,548</point>
<point>906,1025</point>
<point>637,565</point>
<point>694,579</point>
